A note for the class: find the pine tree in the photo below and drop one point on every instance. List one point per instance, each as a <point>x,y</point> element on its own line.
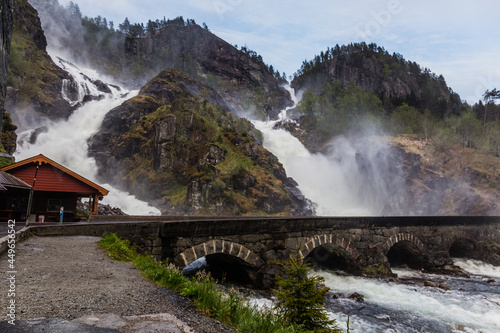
<point>300,298</point>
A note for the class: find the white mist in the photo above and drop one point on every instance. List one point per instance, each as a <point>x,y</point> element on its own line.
<point>66,140</point>
<point>333,181</point>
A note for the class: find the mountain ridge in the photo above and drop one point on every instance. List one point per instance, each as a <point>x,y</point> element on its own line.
<point>345,88</point>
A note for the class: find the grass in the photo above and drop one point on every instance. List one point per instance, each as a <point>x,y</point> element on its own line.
<point>226,306</point>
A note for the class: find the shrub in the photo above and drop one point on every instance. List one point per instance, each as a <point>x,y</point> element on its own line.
<point>300,298</point>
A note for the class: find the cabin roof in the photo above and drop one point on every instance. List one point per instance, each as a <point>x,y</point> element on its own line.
<point>10,181</point>
<point>42,160</point>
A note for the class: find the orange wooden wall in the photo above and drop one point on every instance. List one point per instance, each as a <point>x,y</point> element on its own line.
<point>50,178</point>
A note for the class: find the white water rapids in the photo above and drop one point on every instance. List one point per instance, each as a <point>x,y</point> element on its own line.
<point>471,305</point>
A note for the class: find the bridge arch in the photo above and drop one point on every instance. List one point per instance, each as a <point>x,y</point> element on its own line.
<point>462,244</point>
<point>406,249</point>
<point>403,236</point>
<point>325,239</point>
<point>221,246</point>
<point>460,234</point>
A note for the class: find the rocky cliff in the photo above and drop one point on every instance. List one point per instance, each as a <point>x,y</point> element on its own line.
<point>6,8</point>
<point>34,81</point>
<point>7,131</point>
<point>177,145</point>
<point>444,180</point>
<point>241,77</point>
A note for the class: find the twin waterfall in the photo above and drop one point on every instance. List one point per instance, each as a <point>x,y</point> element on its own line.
<point>336,186</point>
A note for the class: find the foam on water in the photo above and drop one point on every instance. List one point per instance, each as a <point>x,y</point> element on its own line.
<point>476,311</point>
<point>477,267</point>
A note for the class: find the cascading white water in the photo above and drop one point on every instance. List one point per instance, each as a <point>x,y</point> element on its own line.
<point>477,267</point>
<point>65,141</point>
<point>333,181</point>
<point>395,306</point>
<point>471,304</point>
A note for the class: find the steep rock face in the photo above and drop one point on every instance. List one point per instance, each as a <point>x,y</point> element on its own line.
<point>444,181</point>
<point>7,129</point>
<point>178,146</point>
<point>240,77</point>
<point>34,81</point>
<point>6,8</point>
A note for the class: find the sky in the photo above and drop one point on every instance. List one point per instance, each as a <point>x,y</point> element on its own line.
<point>459,39</point>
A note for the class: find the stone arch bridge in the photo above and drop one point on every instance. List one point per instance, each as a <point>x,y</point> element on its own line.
<point>366,244</point>
<point>363,245</point>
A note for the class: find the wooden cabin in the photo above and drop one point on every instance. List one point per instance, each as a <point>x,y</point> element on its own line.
<point>54,186</point>
<point>14,195</point>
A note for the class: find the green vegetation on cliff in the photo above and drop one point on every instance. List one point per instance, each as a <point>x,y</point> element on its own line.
<point>351,88</point>
<point>8,139</point>
<point>178,143</point>
<point>34,81</point>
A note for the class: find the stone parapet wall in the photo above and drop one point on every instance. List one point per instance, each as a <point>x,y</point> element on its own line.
<point>144,235</point>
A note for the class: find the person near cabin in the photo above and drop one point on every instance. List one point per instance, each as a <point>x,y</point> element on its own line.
<point>61,213</point>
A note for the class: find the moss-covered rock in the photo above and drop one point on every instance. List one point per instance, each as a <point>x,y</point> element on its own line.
<point>34,82</point>
<point>178,146</point>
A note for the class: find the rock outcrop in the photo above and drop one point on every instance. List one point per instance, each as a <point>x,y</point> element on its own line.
<point>6,8</point>
<point>178,146</point>
<point>34,81</point>
<point>241,77</point>
<point>8,143</point>
<point>447,180</point>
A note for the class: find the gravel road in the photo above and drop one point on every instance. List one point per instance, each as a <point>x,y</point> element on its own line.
<point>71,278</point>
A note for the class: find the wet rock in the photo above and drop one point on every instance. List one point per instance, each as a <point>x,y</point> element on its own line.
<point>36,133</point>
<point>431,284</point>
<point>357,297</point>
<point>108,210</point>
<point>103,87</point>
<point>444,286</point>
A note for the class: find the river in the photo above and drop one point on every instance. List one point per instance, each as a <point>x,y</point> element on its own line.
<point>406,305</point>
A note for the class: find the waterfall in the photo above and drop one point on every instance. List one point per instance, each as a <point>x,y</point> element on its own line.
<point>65,141</point>
<point>342,182</point>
